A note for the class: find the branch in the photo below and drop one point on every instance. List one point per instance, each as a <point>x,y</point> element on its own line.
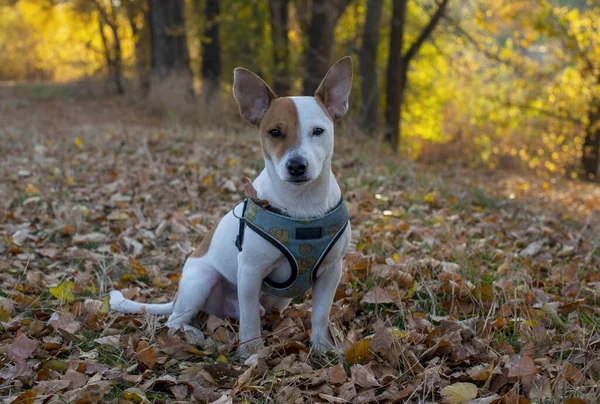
<point>427,31</point>
<point>104,15</point>
<point>573,39</point>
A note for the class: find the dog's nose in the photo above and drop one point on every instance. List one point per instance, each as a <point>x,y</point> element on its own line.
<point>297,166</point>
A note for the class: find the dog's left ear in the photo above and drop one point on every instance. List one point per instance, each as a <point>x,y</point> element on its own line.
<point>334,90</point>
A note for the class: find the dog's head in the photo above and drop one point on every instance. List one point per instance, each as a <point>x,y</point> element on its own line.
<point>296,132</point>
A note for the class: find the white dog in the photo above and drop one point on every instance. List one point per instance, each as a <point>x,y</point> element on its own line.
<point>292,236</point>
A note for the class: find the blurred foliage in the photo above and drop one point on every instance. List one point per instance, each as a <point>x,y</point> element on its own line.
<point>502,82</point>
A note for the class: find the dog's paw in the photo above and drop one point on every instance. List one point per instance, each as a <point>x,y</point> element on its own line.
<point>247,349</point>
<point>321,343</point>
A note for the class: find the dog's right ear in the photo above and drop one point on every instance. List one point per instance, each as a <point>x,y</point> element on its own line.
<point>252,95</point>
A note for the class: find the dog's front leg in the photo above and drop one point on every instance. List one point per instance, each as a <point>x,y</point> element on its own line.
<point>249,286</point>
<point>323,293</point>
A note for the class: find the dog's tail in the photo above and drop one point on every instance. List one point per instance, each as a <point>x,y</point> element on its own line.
<point>119,303</point>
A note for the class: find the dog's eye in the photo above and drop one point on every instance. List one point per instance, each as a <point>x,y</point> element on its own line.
<point>275,133</point>
<point>318,131</point>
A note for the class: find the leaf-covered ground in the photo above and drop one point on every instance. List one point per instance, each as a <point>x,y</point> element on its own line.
<point>460,285</point>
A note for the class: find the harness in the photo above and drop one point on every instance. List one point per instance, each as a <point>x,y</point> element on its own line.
<point>304,242</point>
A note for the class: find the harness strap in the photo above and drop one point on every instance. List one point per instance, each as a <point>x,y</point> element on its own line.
<point>239,240</point>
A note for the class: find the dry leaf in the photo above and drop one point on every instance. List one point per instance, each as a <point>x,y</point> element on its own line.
<point>363,376</point>
<point>523,368</point>
<point>145,353</point>
<point>377,295</point>
<point>337,374</point>
<point>21,348</point>
<point>459,392</point>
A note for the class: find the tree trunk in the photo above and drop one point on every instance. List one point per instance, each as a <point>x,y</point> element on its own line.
<point>211,51</point>
<point>398,64</point>
<point>591,145</point>
<point>325,15</point>
<point>169,51</point>
<point>281,51</point>
<point>396,75</point>
<point>139,22</point>
<point>114,60</point>
<point>369,87</point>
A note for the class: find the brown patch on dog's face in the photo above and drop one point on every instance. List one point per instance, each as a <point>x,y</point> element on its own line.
<point>282,115</point>
<point>202,248</point>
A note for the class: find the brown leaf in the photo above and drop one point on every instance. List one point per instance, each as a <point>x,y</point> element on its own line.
<point>77,379</point>
<point>575,400</point>
<point>363,376</point>
<point>21,368</point>
<point>571,374</point>
<point>337,375</point>
<point>377,295</point>
<point>25,398</point>
<point>21,348</point>
<point>523,368</point>
<point>146,354</point>
<point>382,340</point>
<point>180,391</point>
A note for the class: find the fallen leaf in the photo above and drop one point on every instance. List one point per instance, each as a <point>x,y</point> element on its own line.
<point>523,368</point>
<point>64,292</point>
<point>337,374</point>
<point>135,394</point>
<point>27,397</point>
<point>377,295</point>
<point>459,392</point>
<point>363,376</point>
<point>146,354</point>
<point>21,348</point>
<point>21,368</point>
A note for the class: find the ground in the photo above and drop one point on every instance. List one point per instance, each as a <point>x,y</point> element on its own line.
<point>460,284</point>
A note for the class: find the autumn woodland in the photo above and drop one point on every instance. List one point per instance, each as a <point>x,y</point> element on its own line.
<point>469,159</point>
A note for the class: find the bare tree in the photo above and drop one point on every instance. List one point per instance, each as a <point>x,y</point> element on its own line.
<point>325,15</point>
<point>281,49</point>
<point>591,145</point>
<point>169,49</point>
<point>137,16</point>
<point>113,56</point>
<point>369,86</point>
<point>398,65</point>
<point>211,51</point>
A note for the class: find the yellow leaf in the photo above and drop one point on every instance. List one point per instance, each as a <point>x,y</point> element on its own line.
<point>137,267</point>
<point>222,359</point>
<point>4,316</point>
<point>431,198</point>
<point>31,189</point>
<point>459,392</point>
<point>361,351</point>
<point>136,395</point>
<point>64,292</point>
<point>78,142</point>
<point>105,305</point>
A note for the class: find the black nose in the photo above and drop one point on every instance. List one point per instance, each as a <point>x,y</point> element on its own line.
<point>297,166</point>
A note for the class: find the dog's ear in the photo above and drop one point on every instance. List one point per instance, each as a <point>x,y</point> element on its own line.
<point>334,90</point>
<point>252,95</point>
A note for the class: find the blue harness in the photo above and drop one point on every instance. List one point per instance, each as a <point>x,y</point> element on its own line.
<point>304,242</point>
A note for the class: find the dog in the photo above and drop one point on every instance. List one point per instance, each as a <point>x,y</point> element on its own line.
<point>296,224</point>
